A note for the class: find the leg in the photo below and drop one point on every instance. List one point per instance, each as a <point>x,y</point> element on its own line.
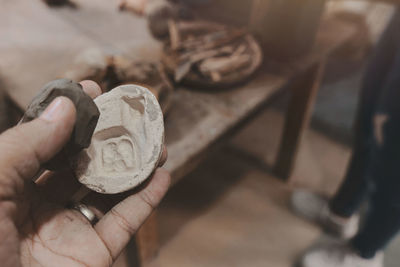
<point>304,91</point>
<point>355,186</point>
<point>374,167</point>
<point>383,221</point>
<point>382,224</point>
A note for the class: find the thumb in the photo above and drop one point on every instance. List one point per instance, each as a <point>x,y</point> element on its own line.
<point>25,147</point>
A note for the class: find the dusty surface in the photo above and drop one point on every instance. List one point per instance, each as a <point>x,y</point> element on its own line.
<point>230,212</point>
<point>43,40</point>
<point>127,142</point>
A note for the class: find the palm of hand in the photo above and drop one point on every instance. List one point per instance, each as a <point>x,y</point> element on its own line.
<point>36,232</point>
<point>46,234</point>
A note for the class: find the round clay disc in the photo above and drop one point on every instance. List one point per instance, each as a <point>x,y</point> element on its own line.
<point>127,143</point>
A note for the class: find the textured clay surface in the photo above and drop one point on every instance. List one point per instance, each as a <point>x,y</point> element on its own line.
<point>87,115</point>
<point>127,143</point>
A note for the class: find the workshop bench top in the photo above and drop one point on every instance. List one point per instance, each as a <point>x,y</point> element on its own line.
<point>38,44</point>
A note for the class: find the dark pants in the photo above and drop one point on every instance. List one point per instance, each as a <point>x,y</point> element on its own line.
<point>374,170</point>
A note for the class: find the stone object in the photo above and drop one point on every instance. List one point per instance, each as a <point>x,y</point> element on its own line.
<point>127,143</point>
<point>87,116</point>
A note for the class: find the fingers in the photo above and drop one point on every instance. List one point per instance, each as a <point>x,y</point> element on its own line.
<point>118,226</point>
<point>91,88</point>
<point>26,146</point>
<point>54,189</point>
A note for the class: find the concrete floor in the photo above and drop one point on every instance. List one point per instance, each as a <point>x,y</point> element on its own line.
<point>231,212</point>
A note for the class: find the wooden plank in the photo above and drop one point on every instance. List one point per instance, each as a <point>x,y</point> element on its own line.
<point>258,10</point>
<point>303,94</point>
<point>34,47</point>
<point>287,29</point>
<point>208,116</point>
<point>39,44</point>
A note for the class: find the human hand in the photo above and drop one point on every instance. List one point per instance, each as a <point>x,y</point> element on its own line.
<point>35,228</point>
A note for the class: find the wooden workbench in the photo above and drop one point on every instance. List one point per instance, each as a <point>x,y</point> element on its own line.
<point>38,44</point>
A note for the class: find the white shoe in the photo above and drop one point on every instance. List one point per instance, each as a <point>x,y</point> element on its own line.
<point>338,254</point>
<point>315,208</point>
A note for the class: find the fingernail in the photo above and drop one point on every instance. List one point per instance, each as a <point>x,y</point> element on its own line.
<point>54,111</point>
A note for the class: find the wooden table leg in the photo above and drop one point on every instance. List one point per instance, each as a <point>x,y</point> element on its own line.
<point>147,240</point>
<point>303,93</point>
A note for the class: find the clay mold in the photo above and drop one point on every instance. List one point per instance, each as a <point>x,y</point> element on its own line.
<point>127,143</point>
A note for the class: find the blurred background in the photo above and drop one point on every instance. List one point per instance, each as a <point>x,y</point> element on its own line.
<point>240,138</point>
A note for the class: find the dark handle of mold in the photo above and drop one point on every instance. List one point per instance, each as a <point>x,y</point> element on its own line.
<point>87,115</point>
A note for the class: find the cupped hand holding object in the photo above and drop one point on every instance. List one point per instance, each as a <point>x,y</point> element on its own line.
<point>123,149</point>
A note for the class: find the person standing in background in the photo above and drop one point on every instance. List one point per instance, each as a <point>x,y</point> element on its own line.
<point>373,174</point>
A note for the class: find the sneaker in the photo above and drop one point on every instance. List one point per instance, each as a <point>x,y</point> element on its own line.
<point>315,208</point>
<point>338,254</point>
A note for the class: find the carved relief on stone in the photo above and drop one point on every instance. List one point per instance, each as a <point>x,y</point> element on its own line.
<point>127,143</point>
